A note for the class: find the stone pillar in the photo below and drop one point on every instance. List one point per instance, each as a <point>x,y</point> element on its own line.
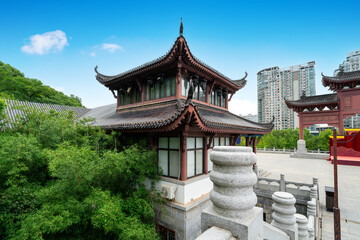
<point>284,213</point>
<point>301,146</point>
<point>316,183</point>
<point>302,223</point>
<point>313,192</point>
<point>311,208</point>
<point>282,186</point>
<point>233,198</point>
<point>311,227</point>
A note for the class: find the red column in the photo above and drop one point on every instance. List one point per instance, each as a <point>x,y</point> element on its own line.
<point>254,145</point>
<point>206,170</point>
<point>178,80</point>
<point>341,124</point>
<point>247,142</point>
<point>301,128</point>
<point>183,157</point>
<point>143,93</point>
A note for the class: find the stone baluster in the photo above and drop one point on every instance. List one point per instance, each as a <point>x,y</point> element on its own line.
<point>311,208</point>
<point>311,227</point>
<point>313,193</point>
<point>284,213</point>
<point>233,198</point>
<point>282,187</point>
<point>302,223</point>
<point>316,183</point>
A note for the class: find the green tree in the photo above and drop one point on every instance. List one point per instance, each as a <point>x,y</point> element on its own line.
<point>63,179</point>
<point>14,85</point>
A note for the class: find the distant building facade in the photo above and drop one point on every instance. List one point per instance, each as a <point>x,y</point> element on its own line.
<point>275,84</point>
<point>351,64</point>
<point>251,117</point>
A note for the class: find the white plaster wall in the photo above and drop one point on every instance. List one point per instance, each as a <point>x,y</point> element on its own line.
<point>187,191</point>
<point>197,189</point>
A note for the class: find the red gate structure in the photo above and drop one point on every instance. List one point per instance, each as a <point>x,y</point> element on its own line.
<point>331,108</point>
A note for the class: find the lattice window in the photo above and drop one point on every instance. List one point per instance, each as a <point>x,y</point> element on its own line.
<point>165,233</point>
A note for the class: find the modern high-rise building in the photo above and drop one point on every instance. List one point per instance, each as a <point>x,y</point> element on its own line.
<point>351,64</point>
<point>275,84</point>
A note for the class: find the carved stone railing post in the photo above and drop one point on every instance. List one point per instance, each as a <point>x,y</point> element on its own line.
<point>313,193</point>
<point>302,223</point>
<point>233,199</point>
<point>284,213</point>
<point>316,183</point>
<point>311,208</point>
<point>311,227</point>
<point>282,187</point>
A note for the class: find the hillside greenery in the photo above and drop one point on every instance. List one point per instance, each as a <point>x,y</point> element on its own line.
<point>14,85</point>
<point>61,179</point>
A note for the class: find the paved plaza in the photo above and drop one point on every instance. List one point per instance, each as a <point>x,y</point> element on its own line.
<point>303,170</point>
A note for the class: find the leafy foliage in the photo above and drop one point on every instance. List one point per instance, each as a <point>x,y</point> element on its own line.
<point>288,138</point>
<point>63,179</point>
<point>14,85</point>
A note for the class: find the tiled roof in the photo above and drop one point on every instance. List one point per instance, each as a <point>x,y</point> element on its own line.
<point>343,76</point>
<point>12,108</point>
<point>156,115</point>
<point>169,57</point>
<point>314,100</point>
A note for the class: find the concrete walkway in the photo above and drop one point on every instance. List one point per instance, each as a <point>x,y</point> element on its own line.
<point>303,170</point>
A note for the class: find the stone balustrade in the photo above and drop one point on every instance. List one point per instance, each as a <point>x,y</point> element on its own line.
<point>284,213</point>
<point>233,198</point>
<point>302,223</point>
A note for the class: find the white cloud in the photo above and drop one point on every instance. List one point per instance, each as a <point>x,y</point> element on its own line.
<point>93,54</point>
<point>112,47</point>
<point>47,42</point>
<point>243,107</point>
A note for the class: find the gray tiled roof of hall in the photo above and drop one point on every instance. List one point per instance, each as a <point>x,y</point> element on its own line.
<point>344,76</point>
<point>13,108</point>
<point>313,100</point>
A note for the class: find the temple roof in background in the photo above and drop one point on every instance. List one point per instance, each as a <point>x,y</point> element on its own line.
<point>342,80</point>
<point>311,102</point>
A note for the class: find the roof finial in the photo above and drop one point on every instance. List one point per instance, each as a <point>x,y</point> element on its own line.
<point>181,27</point>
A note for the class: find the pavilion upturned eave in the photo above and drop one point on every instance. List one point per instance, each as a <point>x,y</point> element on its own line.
<point>341,80</point>
<point>180,54</point>
<point>161,117</point>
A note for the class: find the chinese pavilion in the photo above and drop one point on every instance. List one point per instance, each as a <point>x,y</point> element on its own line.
<point>181,105</point>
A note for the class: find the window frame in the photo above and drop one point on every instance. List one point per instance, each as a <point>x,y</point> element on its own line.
<point>168,149</point>
<point>195,158</point>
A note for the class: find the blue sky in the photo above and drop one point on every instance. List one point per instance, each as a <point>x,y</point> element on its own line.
<point>60,42</point>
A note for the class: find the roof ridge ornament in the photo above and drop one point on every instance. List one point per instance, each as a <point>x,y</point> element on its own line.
<point>181,27</point>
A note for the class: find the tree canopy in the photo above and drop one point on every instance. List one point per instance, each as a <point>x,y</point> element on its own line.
<point>14,85</point>
<point>287,138</point>
<point>61,179</point>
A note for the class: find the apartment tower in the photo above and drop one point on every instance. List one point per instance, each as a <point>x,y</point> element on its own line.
<point>275,84</point>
